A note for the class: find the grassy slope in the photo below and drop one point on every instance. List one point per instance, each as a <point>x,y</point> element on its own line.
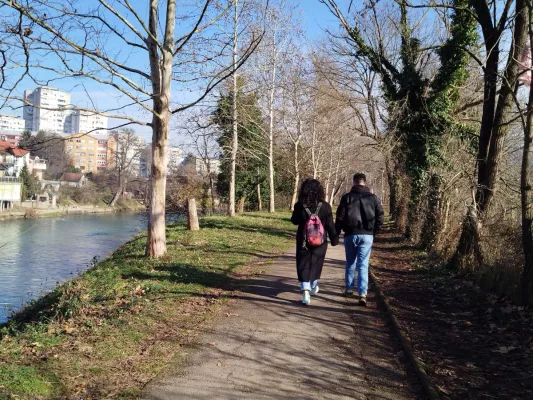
<point>113,329</point>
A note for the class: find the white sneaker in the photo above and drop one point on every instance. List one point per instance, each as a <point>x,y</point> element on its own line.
<point>306,299</point>
<point>314,290</point>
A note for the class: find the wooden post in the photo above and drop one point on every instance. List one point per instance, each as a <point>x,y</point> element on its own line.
<point>192,216</point>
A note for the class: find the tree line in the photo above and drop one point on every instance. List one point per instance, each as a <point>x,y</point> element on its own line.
<point>430,98</point>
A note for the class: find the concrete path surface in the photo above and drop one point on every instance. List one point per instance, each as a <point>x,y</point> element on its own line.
<point>269,346</point>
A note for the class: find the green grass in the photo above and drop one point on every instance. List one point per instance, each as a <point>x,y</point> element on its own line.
<point>123,321</point>
<point>27,379</point>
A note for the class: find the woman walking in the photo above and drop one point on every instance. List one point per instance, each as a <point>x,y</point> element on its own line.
<point>315,222</point>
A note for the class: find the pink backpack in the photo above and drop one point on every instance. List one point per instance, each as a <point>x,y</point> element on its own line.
<point>313,230</point>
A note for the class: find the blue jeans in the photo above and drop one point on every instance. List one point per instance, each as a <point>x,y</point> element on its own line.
<point>357,256</point>
<point>308,285</point>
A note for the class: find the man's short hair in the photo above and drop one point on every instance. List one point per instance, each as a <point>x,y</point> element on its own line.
<point>359,177</point>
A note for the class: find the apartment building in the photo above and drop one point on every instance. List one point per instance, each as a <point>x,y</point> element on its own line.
<point>201,166</point>
<point>11,123</point>
<point>175,158</point>
<point>88,153</point>
<point>84,121</point>
<point>48,111</point>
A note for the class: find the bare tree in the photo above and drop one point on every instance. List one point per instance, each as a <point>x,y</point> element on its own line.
<point>293,113</point>
<point>124,151</point>
<point>268,66</point>
<point>202,142</point>
<point>234,111</point>
<point>96,41</point>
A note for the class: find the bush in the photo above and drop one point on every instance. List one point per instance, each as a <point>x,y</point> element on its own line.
<point>30,213</point>
<point>87,194</point>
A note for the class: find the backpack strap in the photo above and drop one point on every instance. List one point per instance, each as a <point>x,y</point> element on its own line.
<point>309,211</point>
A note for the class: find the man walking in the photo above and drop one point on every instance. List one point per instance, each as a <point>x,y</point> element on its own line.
<point>360,216</point>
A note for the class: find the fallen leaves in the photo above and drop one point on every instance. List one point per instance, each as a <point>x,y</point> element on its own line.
<point>69,330</point>
<point>505,349</point>
<point>463,334</point>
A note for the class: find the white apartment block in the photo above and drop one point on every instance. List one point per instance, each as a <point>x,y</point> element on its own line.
<point>84,122</point>
<point>50,110</point>
<point>175,157</point>
<point>11,123</point>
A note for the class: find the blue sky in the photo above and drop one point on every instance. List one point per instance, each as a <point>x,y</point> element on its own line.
<point>314,15</point>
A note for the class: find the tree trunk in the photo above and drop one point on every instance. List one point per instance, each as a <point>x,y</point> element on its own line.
<point>212,190</point>
<point>192,216</point>
<point>119,193</point>
<point>393,199</point>
<point>313,152</point>
<point>335,180</point>
<point>527,209</point>
<point>468,253</point>
<point>433,220</point>
<point>296,176</point>
<point>161,71</point>
<point>526,195</point>
<point>402,202</point>
<point>259,202</point>
<point>446,216</point>
<point>235,141</point>
<point>272,203</point>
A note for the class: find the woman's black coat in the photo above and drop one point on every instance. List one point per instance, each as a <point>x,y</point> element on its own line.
<point>310,260</point>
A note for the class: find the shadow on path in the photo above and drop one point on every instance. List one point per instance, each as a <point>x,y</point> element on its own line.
<point>267,345</point>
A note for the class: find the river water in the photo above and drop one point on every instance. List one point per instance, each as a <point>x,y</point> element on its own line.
<point>36,255</point>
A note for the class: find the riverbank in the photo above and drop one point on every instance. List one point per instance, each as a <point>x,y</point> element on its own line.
<point>110,331</point>
<point>126,205</point>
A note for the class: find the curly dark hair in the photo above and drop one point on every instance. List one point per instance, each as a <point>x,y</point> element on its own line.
<point>311,193</point>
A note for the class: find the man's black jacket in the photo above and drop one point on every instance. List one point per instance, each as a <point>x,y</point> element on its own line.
<point>359,213</point>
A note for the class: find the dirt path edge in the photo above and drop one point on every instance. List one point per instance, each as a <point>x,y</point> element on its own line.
<point>428,388</point>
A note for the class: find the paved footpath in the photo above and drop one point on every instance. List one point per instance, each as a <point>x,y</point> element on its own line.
<point>267,345</point>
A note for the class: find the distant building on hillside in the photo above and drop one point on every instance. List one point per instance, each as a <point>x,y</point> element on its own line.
<point>47,110</point>
<point>175,157</point>
<point>13,159</point>
<point>86,152</point>
<point>12,138</point>
<point>72,179</point>
<point>37,166</point>
<point>201,166</point>
<point>9,123</point>
<point>84,122</point>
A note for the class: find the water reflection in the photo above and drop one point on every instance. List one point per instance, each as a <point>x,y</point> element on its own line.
<point>36,255</point>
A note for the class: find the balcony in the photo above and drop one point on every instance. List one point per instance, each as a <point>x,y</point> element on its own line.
<point>39,165</point>
<point>9,179</point>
